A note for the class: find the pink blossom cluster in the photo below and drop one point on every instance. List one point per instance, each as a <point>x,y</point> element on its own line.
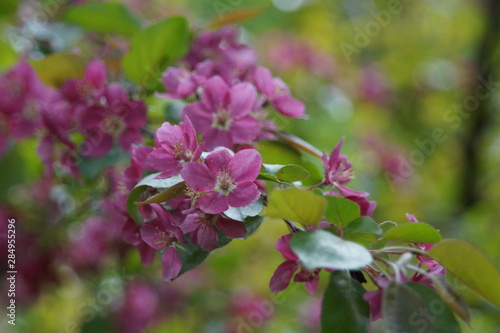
<point>102,113</point>
<point>214,183</point>
<point>230,97</point>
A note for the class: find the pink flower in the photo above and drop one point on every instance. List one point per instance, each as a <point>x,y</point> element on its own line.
<point>338,168</point>
<point>284,273</point>
<point>180,83</point>
<point>161,234</point>
<point>20,100</point>
<point>223,114</point>
<point>224,180</point>
<point>88,89</point>
<point>177,145</point>
<point>203,229</point>
<point>277,93</point>
<point>117,117</point>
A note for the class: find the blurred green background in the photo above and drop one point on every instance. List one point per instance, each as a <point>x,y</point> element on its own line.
<point>412,85</point>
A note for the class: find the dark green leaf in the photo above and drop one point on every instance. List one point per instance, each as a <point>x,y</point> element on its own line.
<point>470,266</point>
<point>192,255</point>
<point>296,205</point>
<point>322,249</point>
<point>154,48</point>
<point>404,310</point>
<point>93,167</point>
<point>104,17</point>
<point>363,230</point>
<point>252,223</point>
<point>413,232</point>
<point>343,308</point>
<point>442,317</point>
<point>341,211</point>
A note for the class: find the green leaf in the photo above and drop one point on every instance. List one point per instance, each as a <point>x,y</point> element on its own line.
<point>241,213</point>
<point>56,68</point>
<point>341,211</point>
<point>154,48</point>
<point>322,249</point>
<point>387,225</point>
<point>443,319</point>
<point>296,205</point>
<point>470,266</point>
<point>104,17</point>
<point>252,223</point>
<point>413,233</point>
<point>8,8</point>
<point>93,167</point>
<point>283,173</point>
<point>402,308</point>
<point>343,308</point>
<point>363,230</point>
<point>172,192</point>
<point>8,56</point>
<point>142,186</point>
<point>192,255</point>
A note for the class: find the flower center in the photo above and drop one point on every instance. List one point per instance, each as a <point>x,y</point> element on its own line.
<point>113,124</point>
<point>182,154</point>
<point>163,239</point>
<point>222,119</point>
<point>225,182</point>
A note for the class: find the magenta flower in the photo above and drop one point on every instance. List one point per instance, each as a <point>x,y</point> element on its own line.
<point>88,89</point>
<point>338,168</point>
<point>223,114</point>
<point>203,229</point>
<point>180,83</point>
<point>224,180</point>
<point>161,234</point>
<point>119,117</point>
<point>286,270</point>
<point>277,93</point>
<point>20,100</point>
<point>177,145</point>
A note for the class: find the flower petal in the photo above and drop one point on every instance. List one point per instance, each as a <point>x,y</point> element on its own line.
<point>264,81</point>
<point>198,176</point>
<point>231,228</point>
<point>245,165</point>
<point>242,99</point>
<point>97,144</point>
<point>215,137</point>
<point>171,264</point>
<point>207,238</point>
<point>243,195</point>
<point>217,160</point>
<point>289,106</point>
<point>283,245</point>
<point>282,276</point>
<point>244,130</point>
<point>213,203</point>
<point>214,93</point>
